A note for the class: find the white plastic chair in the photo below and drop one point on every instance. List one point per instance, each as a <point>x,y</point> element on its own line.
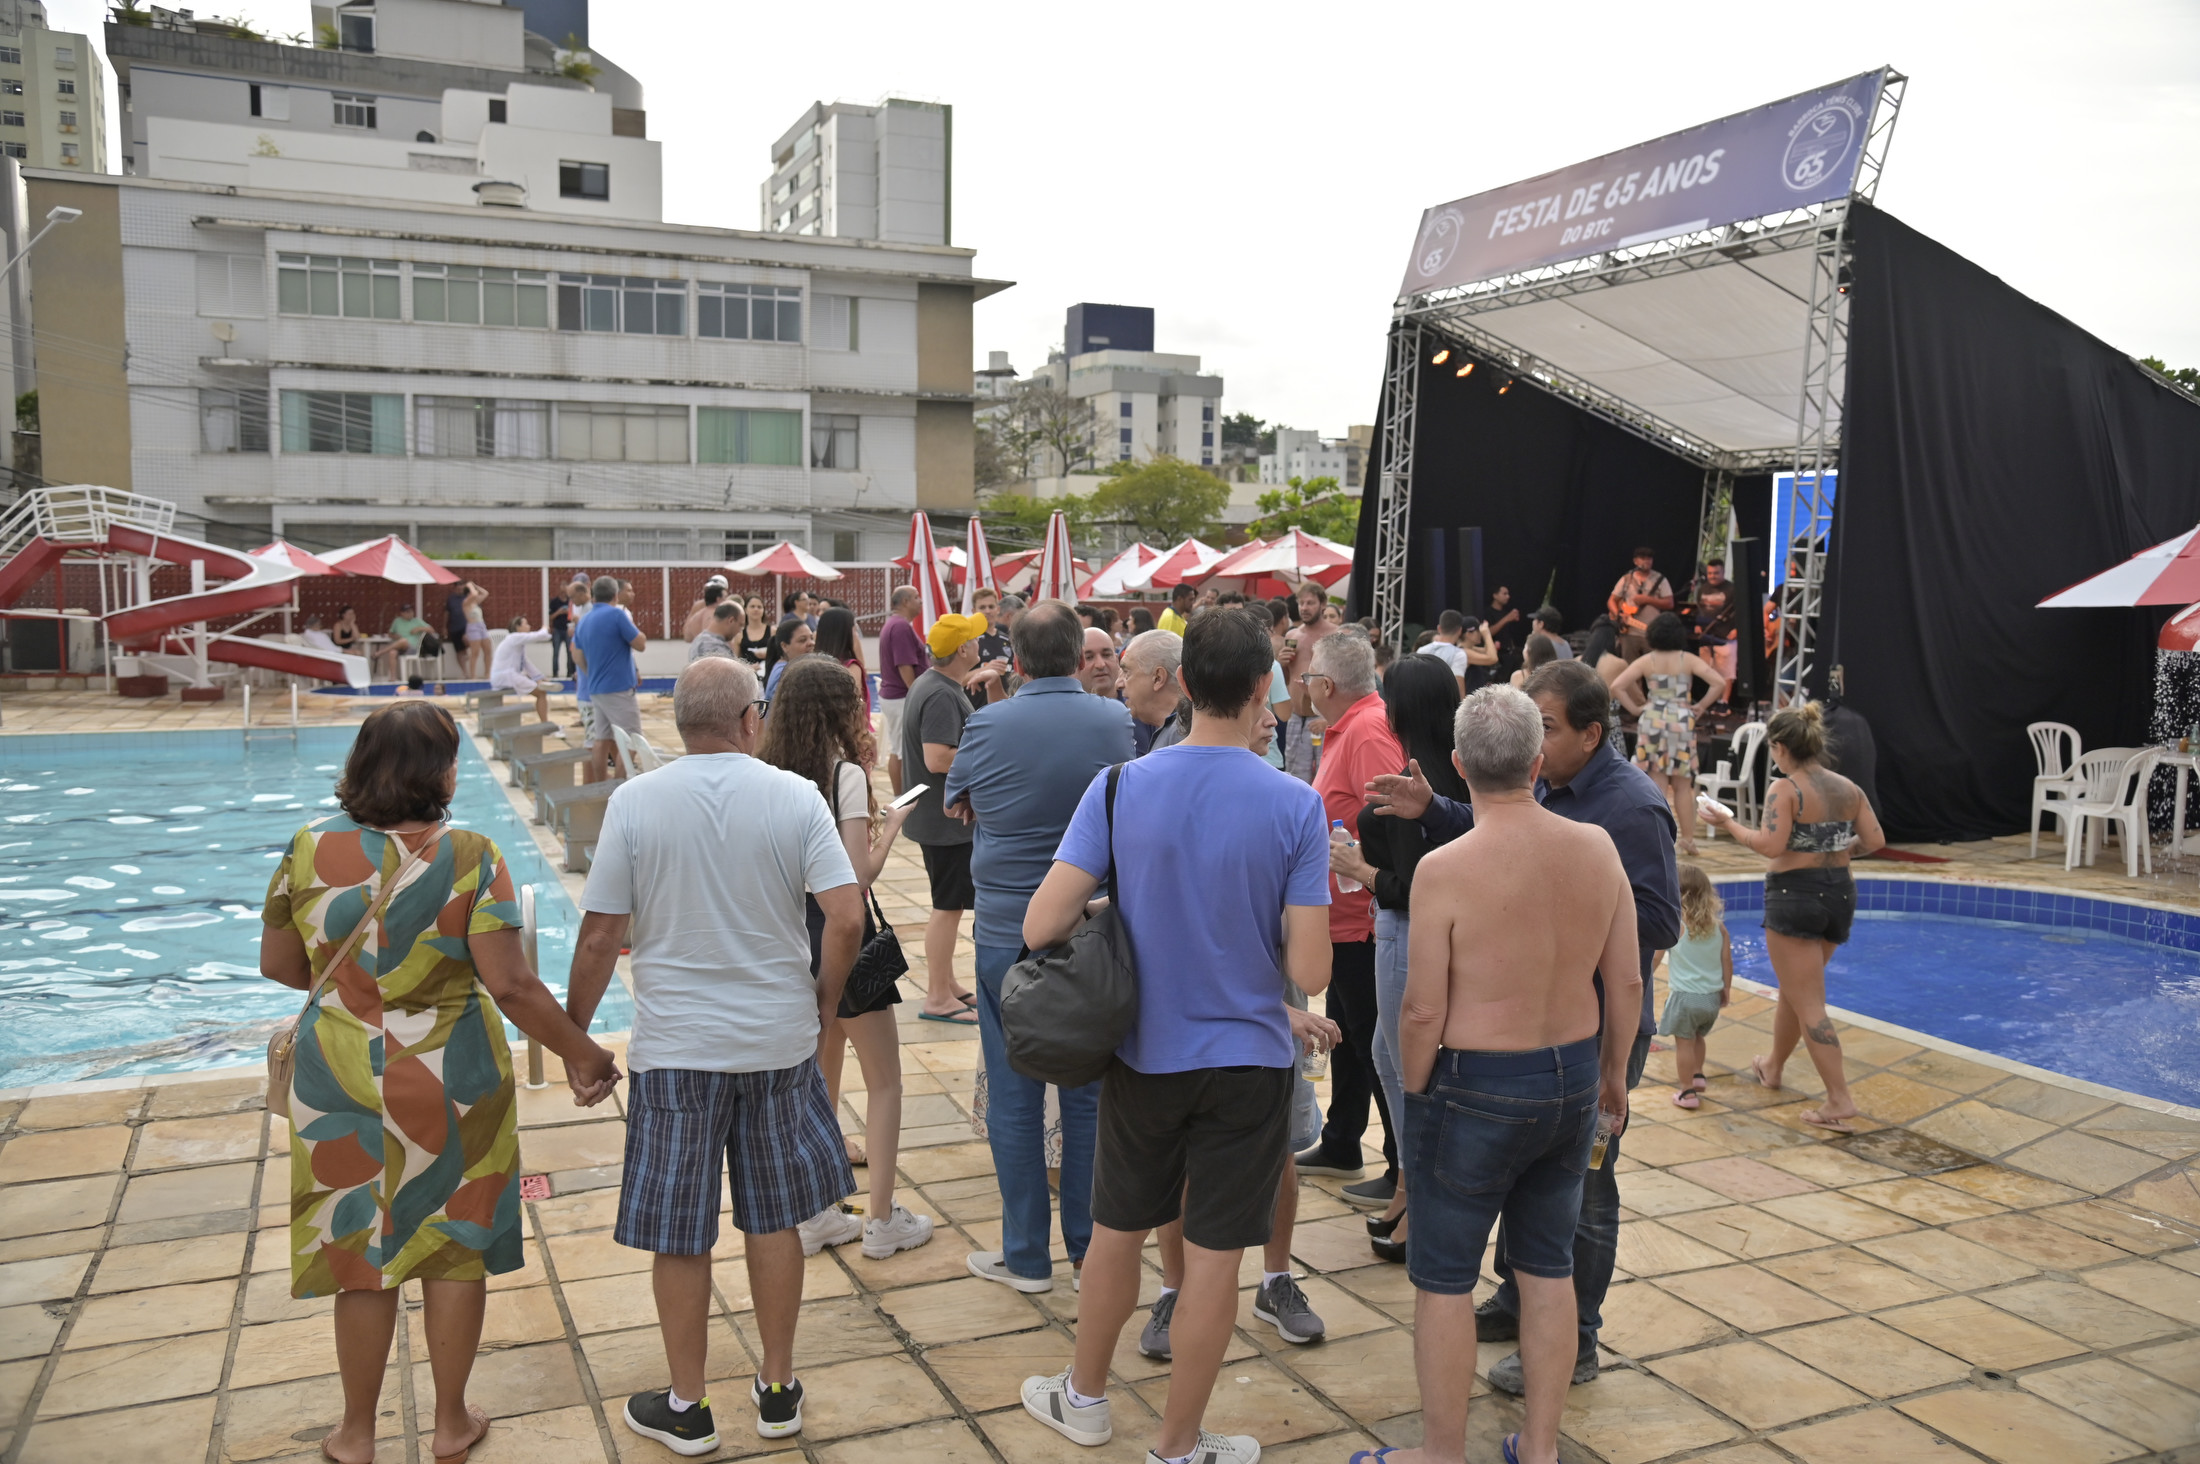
<point>2056,748</point>
<point>646,757</point>
<point>2112,791</point>
<point>630,763</point>
<point>1737,774</point>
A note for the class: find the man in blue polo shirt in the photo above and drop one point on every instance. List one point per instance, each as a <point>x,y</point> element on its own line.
<point>604,644</point>
<point>1584,779</point>
<point>1020,771</point>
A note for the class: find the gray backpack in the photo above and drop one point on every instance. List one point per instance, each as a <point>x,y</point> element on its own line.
<point>1065,1012</point>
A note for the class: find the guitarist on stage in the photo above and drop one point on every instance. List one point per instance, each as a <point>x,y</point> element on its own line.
<point>1635,601</point>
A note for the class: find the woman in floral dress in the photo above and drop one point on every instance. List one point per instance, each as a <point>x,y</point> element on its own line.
<point>404,1151</point>
<point>1655,688</point>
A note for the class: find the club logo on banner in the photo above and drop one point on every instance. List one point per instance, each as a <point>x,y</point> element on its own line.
<point>1798,151</point>
<point>1819,143</point>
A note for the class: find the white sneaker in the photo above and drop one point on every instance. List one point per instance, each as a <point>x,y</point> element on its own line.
<point>991,1266</point>
<point>1214,1448</point>
<point>833,1225</point>
<point>899,1231</point>
<point>1047,1399</point>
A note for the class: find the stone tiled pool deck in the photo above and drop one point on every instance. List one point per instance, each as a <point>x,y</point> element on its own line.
<point>1997,1267</point>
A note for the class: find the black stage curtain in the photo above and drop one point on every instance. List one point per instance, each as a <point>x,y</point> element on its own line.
<point>1994,453</point>
<point>1555,491</point>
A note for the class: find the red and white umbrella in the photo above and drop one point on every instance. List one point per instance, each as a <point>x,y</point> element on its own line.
<point>923,563</point>
<point>282,551</point>
<point>1299,555</point>
<point>784,558</point>
<point>389,558</point>
<point>2167,574</point>
<point>1109,582</point>
<point>1057,563</point>
<point>978,571</point>
<point>1188,560</point>
<point>1227,566</point>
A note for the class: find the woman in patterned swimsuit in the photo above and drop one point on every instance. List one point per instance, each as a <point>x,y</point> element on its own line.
<point>404,1148</point>
<point>1655,689</point>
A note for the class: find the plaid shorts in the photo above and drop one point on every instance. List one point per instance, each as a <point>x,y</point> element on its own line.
<point>775,1131</point>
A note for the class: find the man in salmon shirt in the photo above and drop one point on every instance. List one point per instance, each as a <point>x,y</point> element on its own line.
<point>1358,746</point>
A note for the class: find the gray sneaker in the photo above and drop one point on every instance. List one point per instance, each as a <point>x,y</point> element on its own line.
<point>1283,1305</point>
<point>1154,1341</point>
<point>1505,1373</point>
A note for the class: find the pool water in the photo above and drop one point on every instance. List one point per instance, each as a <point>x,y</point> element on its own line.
<point>132,872</point>
<point>2090,997</point>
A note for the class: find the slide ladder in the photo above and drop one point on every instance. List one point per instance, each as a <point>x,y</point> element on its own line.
<point>168,633</point>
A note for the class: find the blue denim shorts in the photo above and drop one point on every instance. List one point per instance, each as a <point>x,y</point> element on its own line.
<point>1498,1134</point>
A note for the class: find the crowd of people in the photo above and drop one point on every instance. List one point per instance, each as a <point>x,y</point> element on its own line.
<point>1452,849</point>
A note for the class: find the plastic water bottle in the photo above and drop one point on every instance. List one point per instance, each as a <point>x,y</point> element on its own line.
<point>1344,885</point>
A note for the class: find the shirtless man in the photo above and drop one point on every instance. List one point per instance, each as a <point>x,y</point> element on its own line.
<point>1502,1038</point>
<point>1297,658</point>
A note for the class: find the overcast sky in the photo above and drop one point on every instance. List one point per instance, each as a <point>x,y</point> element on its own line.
<point>1256,174</point>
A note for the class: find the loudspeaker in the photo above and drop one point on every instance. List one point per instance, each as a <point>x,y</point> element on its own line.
<point>1750,676</point>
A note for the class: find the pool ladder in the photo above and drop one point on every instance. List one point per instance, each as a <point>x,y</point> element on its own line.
<point>252,733</point>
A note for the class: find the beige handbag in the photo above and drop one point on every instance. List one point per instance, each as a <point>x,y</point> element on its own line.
<point>282,1047</point>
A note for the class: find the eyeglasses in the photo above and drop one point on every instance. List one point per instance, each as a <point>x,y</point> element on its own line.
<point>761,705</point>
<point>1313,676</point>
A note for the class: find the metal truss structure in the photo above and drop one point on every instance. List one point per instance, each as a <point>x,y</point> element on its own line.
<point>1447,318</point>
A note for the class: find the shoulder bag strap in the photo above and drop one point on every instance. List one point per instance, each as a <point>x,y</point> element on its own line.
<point>366,922</point>
<point>1115,776</point>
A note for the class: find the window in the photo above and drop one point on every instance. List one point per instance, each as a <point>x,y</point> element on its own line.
<point>325,284</point>
<point>480,427</point>
<point>11,56</point>
<point>833,322</point>
<point>741,435</point>
<point>353,111</point>
<point>64,55</point>
<point>748,312</point>
<point>252,104</point>
<point>12,86</point>
<point>1124,436</point>
<point>232,284</point>
<point>844,545</point>
<point>584,180</point>
<point>65,87</point>
<point>596,545</point>
<point>464,294</point>
<point>68,152</point>
<point>1123,409</point>
<point>11,119</point>
<point>624,304</point>
<point>68,121</point>
<point>621,432</point>
<point>356,32</point>
<point>15,149</point>
<point>233,419</point>
<point>496,109</point>
<point>1206,439</point>
<point>834,440</point>
<point>1207,412</point>
<point>344,421</point>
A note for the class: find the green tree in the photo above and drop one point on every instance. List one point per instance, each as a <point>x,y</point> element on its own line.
<point>2187,377</point>
<point>1241,429</point>
<point>575,63</point>
<point>992,459</point>
<point>1020,519</point>
<point>1163,501</point>
<point>1315,505</point>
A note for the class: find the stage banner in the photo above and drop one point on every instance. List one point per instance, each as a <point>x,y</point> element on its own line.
<point>1792,153</point>
<point>1789,509</point>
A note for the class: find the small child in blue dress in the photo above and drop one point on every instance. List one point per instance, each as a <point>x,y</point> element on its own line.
<point>1699,976</point>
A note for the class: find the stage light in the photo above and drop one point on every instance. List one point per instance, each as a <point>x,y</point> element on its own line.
<point>1508,386</point>
<point>1440,357</point>
<point>1466,370</point>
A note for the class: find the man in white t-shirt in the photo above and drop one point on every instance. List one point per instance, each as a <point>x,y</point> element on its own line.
<point>700,870</point>
<point>510,671</point>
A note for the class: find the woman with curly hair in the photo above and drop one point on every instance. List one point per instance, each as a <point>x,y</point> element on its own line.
<point>817,729</point>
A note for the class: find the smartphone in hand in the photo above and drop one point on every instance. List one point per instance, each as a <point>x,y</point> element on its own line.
<point>909,795</point>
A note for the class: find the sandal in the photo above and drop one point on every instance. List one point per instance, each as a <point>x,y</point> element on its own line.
<point>474,1412</point>
<point>1757,1074</point>
<point>1686,1098</point>
<point>1373,1456</point>
<point>857,1158</point>
<point>1511,1446</point>
<point>1832,1125</point>
<point>961,1017</point>
<point>326,1454</point>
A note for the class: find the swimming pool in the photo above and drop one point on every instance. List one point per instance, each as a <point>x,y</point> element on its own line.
<point>2091,988</point>
<point>132,872</point>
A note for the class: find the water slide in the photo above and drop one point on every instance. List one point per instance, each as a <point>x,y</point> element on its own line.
<point>49,523</point>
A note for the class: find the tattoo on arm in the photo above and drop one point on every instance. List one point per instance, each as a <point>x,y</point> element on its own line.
<point>1822,1033</point>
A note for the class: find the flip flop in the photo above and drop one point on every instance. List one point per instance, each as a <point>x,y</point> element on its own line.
<point>326,1454</point>
<point>474,1412</point>
<point>1686,1098</point>
<point>1832,1125</point>
<point>1757,1075</point>
<point>1511,1447</point>
<point>1698,1084</point>
<point>1372,1456</point>
<point>967,1017</point>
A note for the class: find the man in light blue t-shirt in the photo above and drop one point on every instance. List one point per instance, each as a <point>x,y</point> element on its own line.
<point>604,644</point>
<point>1195,1113</point>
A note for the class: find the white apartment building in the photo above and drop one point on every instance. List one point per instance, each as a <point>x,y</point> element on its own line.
<point>1306,456</point>
<point>1145,404</point>
<point>465,321</point>
<point>53,93</point>
<point>883,172</point>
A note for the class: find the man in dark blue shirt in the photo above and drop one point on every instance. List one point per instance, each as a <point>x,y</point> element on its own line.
<point>1584,779</point>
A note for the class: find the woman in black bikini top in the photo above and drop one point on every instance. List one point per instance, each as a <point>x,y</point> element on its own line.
<point>1815,822</point>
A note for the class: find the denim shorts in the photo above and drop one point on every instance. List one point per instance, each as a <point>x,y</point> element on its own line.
<point>1498,1134</point>
<point>1811,904</point>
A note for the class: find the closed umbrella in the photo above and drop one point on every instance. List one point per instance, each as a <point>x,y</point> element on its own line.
<point>978,575</point>
<point>1057,563</point>
<point>923,562</point>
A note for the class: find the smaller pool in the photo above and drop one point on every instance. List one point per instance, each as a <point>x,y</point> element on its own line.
<point>132,872</point>
<point>2090,988</point>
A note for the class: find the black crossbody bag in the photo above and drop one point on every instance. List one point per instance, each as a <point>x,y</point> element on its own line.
<point>1064,1013</point>
<point>881,962</point>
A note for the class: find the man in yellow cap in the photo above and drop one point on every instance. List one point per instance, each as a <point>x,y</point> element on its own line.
<point>931,729</point>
